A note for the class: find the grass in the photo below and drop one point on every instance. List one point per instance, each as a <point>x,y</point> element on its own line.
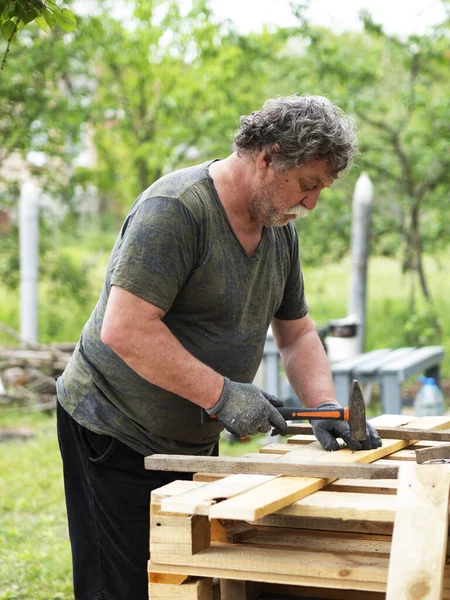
<point>34,547</point>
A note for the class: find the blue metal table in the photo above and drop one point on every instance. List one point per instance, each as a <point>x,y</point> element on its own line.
<point>389,368</point>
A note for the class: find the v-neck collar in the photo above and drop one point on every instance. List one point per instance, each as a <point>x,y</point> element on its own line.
<point>221,207</point>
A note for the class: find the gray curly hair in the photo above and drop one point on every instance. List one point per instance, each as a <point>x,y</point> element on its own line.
<point>304,128</point>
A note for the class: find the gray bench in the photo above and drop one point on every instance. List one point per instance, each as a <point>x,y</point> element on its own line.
<point>389,368</point>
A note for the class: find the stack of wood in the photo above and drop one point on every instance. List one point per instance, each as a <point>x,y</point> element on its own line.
<point>28,372</point>
<point>267,536</point>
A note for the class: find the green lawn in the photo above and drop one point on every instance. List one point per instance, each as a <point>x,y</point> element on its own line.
<point>34,546</point>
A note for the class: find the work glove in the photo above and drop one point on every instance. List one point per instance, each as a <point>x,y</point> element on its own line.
<point>244,409</point>
<point>328,430</point>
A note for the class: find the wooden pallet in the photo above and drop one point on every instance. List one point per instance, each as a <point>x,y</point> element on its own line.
<point>305,536</point>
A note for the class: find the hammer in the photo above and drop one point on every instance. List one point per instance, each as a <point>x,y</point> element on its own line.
<point>355,413</point>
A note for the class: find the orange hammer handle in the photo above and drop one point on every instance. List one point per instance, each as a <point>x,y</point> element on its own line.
<point>292,414</point>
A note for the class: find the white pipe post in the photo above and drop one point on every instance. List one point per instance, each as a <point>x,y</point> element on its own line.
<point>362,208</point>
<point>29,260</point>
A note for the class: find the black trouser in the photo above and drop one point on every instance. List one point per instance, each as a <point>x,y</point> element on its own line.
<point>108,499</point>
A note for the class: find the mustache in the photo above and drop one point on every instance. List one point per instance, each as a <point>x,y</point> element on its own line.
<point>299,211</point>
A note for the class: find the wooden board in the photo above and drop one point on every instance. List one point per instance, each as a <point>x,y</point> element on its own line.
<point>419,541</point>
<point>320,541</point>
<point>363,486</point>
<point>280,565</point>
<point>273,495</point>
<point>200,589</point>
<point>275,466</point>
<point>286,591</point>
<point>325,524</point>
<point>387,420</point>
<point>198,501</point>
<point>435,453</point>
<point>364,507</point>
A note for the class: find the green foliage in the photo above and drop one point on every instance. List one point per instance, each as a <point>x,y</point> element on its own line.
<point>15,14</point>
<point>164,89</point>
<point>423,328</point>
<point>169,92</point>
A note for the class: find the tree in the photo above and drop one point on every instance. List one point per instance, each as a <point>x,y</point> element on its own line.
<point>398,91</point>
<point>15,14</point>
<point>169,90</point>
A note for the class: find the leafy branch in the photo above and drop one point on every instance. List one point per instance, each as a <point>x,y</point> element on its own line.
<point>15,14</point>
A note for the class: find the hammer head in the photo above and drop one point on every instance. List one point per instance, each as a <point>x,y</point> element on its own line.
<point>357,413</point>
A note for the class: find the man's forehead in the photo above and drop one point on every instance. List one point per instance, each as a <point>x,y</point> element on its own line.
<point>317,171</point>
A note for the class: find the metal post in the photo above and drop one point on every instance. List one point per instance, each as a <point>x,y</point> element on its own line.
<point>362,207</point>
<point>271,366</point>
<point>29,259</point>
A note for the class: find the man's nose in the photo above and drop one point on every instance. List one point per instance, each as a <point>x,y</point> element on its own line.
<point>310,200</point>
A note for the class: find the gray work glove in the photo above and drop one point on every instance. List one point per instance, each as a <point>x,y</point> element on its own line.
<point>328,430</point>
<point>244,409</point>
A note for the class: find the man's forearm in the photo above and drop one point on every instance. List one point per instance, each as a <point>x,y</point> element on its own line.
<point>307,369</point>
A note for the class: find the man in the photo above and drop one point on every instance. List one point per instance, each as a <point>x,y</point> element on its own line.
<point>206,260</point>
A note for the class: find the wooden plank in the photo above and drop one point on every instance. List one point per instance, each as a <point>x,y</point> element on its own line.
<point>175,487</point>
<point>424,454</point>
<point>208,477</point>
<point>301,592</point>
<point>364,507</point>
<point>198,501</point>
<point>183,535</point>
<point>238,565</point>
<point>385,462</point>
<point>303,438</point>
<point>316,452</point>
<point>388,420</point>
<point>299,467</point>
<point>406,433</point>
<point>171,578</point>
<point>427,444</point>
<point>323,542</point>
<point>326,524</point>
<point>385,420</point>
<point>280,565</point>
<point>199,589</point>
<point>257,505</point>
<point>407,455</point>
<point>276,448</point>
<point>270,497</point>
<point>362,486</point>
<point>231,531</point>
<point>419,541</point>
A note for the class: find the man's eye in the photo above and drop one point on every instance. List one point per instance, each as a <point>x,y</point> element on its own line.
<point>307,188</point>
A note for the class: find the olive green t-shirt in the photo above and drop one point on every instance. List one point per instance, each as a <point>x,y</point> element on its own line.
<point>178,251</point>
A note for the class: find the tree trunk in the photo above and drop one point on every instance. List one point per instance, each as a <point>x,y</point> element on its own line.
<point>417,248</point>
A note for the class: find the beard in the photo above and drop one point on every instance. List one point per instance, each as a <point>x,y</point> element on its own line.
<point>262,208</point>
<point>298,210</point>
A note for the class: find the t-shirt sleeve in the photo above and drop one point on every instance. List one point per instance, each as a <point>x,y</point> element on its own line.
<point>293,305</point>
<point>157,251</point>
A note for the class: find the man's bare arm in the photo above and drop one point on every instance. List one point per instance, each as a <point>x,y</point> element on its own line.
<point>304,360</point>
<point>133,328</point>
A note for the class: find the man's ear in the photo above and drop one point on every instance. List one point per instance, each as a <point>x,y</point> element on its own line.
<point>265,157</point>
